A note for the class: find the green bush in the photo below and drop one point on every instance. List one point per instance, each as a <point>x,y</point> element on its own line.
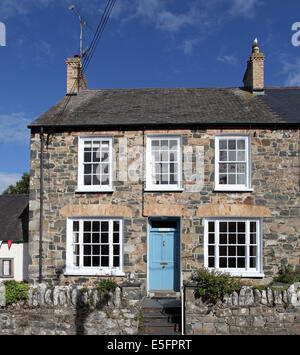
<point>15,291</point>
<point>105,286</point>
<point>214,285</point>
<point>287,275</point>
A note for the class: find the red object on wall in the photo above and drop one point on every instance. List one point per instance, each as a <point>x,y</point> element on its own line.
<point>9,242</point>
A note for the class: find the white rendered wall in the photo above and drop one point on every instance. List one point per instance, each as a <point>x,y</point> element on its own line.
<point>19,253</point>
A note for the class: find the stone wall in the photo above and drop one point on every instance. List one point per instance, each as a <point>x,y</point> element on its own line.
<point>275,180</point>
<point>70,310</point>
<point>248,312</point>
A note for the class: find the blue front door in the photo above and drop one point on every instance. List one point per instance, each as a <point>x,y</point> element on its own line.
<point>164,252</point>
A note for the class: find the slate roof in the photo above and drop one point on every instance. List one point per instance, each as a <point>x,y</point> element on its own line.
<point>284,102</point>
<point>175,106</point>
<point>14,217</point>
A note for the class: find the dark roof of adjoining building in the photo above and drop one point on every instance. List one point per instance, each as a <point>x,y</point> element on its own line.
<point>14,217</point>
<point>175,106</point>
<point>284,102</point>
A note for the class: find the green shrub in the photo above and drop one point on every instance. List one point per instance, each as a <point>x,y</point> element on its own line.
<point>214,285</point>
<point>84,290</point>
<point>105,286</point>
<point>16,291</point>
<point>287,275</point>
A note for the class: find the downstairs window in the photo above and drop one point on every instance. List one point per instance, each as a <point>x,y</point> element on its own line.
<point>6,268</point>
<point>94,246</point>
<point>234,246</point>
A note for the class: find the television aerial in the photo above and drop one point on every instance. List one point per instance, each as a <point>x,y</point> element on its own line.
<point>82,22</point>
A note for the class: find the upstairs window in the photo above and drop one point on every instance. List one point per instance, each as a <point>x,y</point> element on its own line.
<point>95,163</point>
<point>232,163</point>
<point>164,163</point>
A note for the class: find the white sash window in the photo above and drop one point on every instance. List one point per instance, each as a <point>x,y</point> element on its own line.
<point>234,246</point>
<point>94,246</point>
<point>232,163</point>
<point>164,163</point>
<point>95,163</point>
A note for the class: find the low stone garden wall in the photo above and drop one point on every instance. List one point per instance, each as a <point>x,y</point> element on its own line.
<point>251,311</point>
<point>70,310</point>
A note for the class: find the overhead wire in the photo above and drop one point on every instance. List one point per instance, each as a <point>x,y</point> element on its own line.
<point>100,29</point>
<point>97,36</point>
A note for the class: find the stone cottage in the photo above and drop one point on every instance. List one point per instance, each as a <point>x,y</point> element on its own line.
<point>151,184</point>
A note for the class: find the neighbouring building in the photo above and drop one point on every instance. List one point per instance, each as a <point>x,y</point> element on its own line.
<point>14,219</point>
<point>152,184</point>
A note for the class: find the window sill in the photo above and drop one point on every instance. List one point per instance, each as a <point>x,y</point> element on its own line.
<point>250,274</point>
<point>244,274</point>
<point>6,277</point>
<point>83,191</point>
<point>94,273</point>
<point>219,189</point>
<point>155,189</point>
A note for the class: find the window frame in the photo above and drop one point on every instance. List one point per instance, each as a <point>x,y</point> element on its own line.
<point>234,187</point>
<point>238,272</point>
<point>80,178</point>
<point>89,270</point>
<point>168,187</point>
<point>11,275</point>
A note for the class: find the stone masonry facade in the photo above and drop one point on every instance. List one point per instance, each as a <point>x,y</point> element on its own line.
<point>275,198</point>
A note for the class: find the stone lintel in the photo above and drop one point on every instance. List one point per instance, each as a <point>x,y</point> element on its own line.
<point>96,210</point>
<point>230,210</point>
<point>165,210</point>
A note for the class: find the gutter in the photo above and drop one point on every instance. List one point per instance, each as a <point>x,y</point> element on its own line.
<point>168,125</point>
<point>41,203</point>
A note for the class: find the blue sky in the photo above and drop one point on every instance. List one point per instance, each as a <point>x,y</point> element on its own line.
<point>147,43</point>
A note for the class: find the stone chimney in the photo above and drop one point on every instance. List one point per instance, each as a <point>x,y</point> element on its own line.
<point>76,80</point>
<point>254,76</point>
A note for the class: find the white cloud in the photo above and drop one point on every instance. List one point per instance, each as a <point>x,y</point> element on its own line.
<point>293,73</point>
<point>203,17</point>
<point>228,59</point>
<point>44,47</point>
<point>13,128</point>
<point>10,8</point>
<point>157,13</point>
<point>244,8</point>
<point>166,20</point>
<point>293,79</point>
<point>7,179</point>
<point>189,45</point>
<point>198,13</point>
<point>290,69</point>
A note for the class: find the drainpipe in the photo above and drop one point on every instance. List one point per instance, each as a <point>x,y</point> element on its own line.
<point>182,306</point>
<point>41,203</point>
<point>143,174</point>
